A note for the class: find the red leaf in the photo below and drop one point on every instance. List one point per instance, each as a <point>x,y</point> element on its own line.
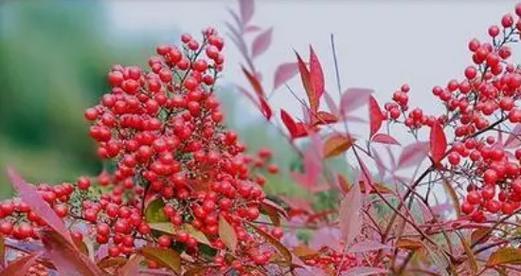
<point>30,195</point>
<point>376,116</point>
<point>324,237</point>
<point>365,246</point>
<point>354,98</point>
<point>131,266</point>
<point>20,266</point>
<point>331,104</point>
<point>412,154</point>
<point>247,8</point>
<point>261,43</point>
<point>514,139</point>
<point>298,204</point>
<point>254,82</point>
<point>365,271</point>
<point>295,129</point>
<point>384,139</point>
<point>312,165</point>
<point>236,38</point>
<point>438,143</point>
<point>323,118</point>
<point>227,234</point>
<point>316,74</point>
<point>251,29</point>
<point>379,163</point>
<point>349,215</point>
<point>284,72</point>
<point>265,108</point>
<point>66,258</point>
<point>308,86</point>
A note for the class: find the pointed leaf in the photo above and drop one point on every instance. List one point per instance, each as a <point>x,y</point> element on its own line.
<point>295,129</point>
<point>331,104</point>
<point>247,8</point>
<point>412,154</point>
<point>438,143</point>
<point>380,165</point>
<point>337,144</point>
<point>312,165</point>
<point>227,234</point>
<point>131,266</point>
<point>365,271</point>
<point>66,258</point>
<point>2,251</point>
<point>480,235</point>
<point>29,194</point>
<point>349,215</point>
<point>154,211</point>
<point>254,82</point>
<point>251,29</point>
<point>305,76</point>
<point>283,73</point>
<point>261,43</point>
<point>20,266</point>
<point>409,244</point>
<point>470,255</point>
<point>168,227</point>
<point>164,256</point>
<point>326,236</point>
<point>324,118</point>
<point>286,254</point>
<point>514,139</point>
<point>108,262</point>
<point>316,74</point>
<point>505,255</point>
<point>366,246</point>
<point>354,98</point>
<point>452,195</point>
<point>376,116</point>
<point>265,108</point>
<point>273,210</point>
<point>384,139</point>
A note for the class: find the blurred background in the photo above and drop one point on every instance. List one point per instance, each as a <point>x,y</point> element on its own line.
<point>54,56</point>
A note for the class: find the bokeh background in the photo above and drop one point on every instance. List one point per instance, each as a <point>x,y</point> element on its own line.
<point>54,56</point>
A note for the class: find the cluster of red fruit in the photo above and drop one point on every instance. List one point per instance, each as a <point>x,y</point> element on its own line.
<point>482,102</point>
<point>164,131</point>
<point>164,128</point>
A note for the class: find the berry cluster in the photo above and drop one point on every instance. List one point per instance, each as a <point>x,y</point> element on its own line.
<point>482,101</point>
<point>164,129</point>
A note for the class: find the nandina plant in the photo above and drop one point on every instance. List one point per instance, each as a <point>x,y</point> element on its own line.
<point>180,195</point>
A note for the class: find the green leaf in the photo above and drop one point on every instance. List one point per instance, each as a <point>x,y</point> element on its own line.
<point>20,266</point>
<point>169,228</point>
<point>164,256</point>
<point>154,211</point>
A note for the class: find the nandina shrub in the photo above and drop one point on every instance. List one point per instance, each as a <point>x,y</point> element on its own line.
<point>181,196</point>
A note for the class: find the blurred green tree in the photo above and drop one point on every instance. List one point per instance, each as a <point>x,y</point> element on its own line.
<point>53,62</point>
